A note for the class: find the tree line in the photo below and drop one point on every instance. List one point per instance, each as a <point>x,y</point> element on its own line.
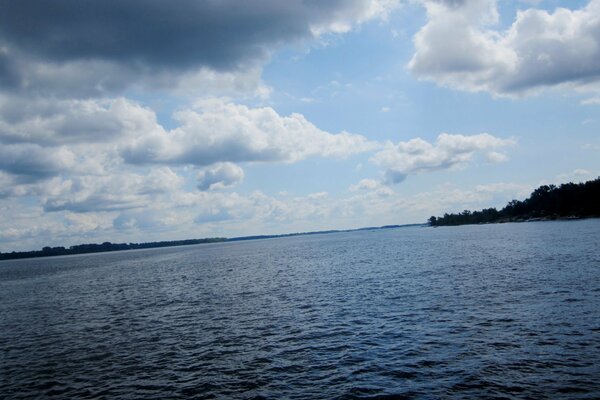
<point>106,246</point>
<point>569,200</point>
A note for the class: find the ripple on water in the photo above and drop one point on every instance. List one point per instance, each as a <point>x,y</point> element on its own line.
<point>495,311</point>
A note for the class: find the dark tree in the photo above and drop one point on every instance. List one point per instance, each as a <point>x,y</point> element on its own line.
<point>569,200</point>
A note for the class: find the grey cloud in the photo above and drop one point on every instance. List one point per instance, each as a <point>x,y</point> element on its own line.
<point>51,121</point>
<point>120,191</point>
<point>451,3</point>
<point>219,34</point>
<point>9,75</point>
<point>154,36</point>
<point>79,79</point>
<point>32,162</point>
<point>394,176</point>
<point>8,187</point>
<point>220,176</point>
<point>94,203</point>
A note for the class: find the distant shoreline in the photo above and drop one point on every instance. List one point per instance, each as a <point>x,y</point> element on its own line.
<point>569,201</point>
<point>110,247</point>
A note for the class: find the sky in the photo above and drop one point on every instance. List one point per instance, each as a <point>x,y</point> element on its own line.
<point>145,120</point>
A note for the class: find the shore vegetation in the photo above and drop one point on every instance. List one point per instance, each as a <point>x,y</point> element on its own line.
<point>547,202</point>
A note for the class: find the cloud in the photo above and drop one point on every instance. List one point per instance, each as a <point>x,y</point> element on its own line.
<point>139,219</point>
<point>459,48</point>
<point>14,186</point>
<point>418,156</point>
<point>53,122</point>
<point>515,189</point>
<point>576,176</point>
<point>220,131</point>
<point>318,196</point>
<point>590,146</point>
<point>220,176</point>
<point>591,101</point>
<point>496,157</point>
<point>32,162</point>
<point>112,192</point>
<point>213,217</point>
<point>78,158</point>
<point>8,186</point>
<point>364,184</point>
<point>103,47</point>
<point>371,186</point>
<point>44,137</point>
<point>176,213</point>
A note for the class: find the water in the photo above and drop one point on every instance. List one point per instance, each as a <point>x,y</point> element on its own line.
<point>507,311</point>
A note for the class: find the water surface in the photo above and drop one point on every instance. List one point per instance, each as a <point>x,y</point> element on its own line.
<point>506,311</point>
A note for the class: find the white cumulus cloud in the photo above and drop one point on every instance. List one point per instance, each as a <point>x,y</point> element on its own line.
<point>461,47</point>
<point>220,131</point>
<point>418,156</point>
<point>220,176</point>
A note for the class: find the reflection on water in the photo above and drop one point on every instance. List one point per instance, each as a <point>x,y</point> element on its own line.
<point>507,311</point>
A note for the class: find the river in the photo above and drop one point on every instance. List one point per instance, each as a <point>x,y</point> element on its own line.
<point>485,311</point>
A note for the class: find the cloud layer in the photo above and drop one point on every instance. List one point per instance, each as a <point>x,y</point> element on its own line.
<point>44,138</point>
<point>47,121</point>
<point>418,156</point>
<point>219,131</point>
<point>220,176</point>
<point>146,120</point>
<point>460,48</point>
<point>31,162</point>
<point>102,47</point>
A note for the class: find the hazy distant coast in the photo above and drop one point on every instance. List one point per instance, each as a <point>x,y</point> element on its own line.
<point>108,246</point>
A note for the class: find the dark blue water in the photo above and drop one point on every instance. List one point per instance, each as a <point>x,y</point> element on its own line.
<point>506,311</point>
